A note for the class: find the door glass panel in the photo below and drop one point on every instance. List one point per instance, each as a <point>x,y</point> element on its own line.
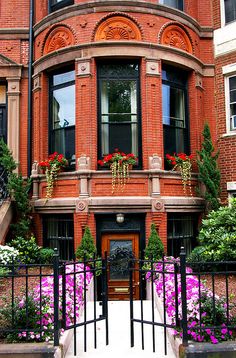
<point>120,252</point>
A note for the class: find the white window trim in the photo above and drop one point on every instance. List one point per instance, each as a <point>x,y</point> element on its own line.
<point>228,71</point>
<point>222,12</point>
<point>231,189</point>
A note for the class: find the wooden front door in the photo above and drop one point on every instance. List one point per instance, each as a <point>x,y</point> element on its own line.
<point>119,247</point>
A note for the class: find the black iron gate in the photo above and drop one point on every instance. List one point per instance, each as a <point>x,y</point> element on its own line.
<point>76,278</point>
<point>150,271</point>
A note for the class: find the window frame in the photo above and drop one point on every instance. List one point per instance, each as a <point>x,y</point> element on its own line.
<point>3,107</point>
<point>228,71</point>
<point>54,7</point>
<point>179,7</point>
<point>99,86</point>
<point>223,14</point>
<point>51,88</point>
<point>67,218</point>
<point>184,87</point>
<point>177,216</point>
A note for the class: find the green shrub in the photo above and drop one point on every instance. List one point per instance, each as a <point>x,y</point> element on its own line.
<point>46,255</point>
<point>25,316</point>
<point>154,249</point>
<point>87,248</point>
<point>217,237</point>
<point>29,251</point>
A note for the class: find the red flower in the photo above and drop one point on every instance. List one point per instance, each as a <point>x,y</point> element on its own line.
<point>100,162</point>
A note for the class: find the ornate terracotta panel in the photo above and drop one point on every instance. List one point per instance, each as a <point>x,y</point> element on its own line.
<point>59,37</point>
<point>117,28</point>
<point>174,35</point>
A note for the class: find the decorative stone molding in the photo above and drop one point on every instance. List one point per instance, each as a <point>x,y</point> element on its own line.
<point>6,61</point>
<point>35,168</point>
<point>84,68</point>
<point>152,68</point>
<point>36,82</point>
<point>174,35</point>
<point>84,162</point>
<point>198,81</point>
<point>13,95</point>
<point>61,36</point>
<point>81,205</point>
<point>118,28</point>
<point>155,162</point>
<point>158,205</point>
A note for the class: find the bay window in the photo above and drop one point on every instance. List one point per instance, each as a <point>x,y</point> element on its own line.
<point>230,10</point>
<point>58,4</point>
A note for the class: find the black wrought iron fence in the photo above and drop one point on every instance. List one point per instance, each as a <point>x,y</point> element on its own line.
<point>37,301</point>
<point>3,184</point>
<point>195,305</point>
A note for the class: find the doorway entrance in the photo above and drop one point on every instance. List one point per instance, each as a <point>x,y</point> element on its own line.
<point>120,247</point>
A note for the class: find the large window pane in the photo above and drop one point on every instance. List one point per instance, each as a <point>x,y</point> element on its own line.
<point>59,233</point>
<point>178,4</point>
<point>181,231</point>
<point>175,124</point>
<point>58,4</point>
<point>232,97</point>
<point>230,11</point>
<point>119,108</point>
<point>62,115</point>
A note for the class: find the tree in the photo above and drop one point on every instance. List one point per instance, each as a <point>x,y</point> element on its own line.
<point>209,173</point>
<point>87,248</point>
<point>154,249</point>
<point>18,189</point>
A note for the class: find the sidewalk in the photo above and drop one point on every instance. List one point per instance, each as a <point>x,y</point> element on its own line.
<point>119,335</point>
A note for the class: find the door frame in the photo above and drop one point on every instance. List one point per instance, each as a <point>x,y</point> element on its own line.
<point>106,223</point>
<point>119,289</point>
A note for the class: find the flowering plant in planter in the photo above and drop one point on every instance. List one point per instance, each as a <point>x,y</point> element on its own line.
<point>182,162</point>
<point>51,167</point>
<point>120,164</point>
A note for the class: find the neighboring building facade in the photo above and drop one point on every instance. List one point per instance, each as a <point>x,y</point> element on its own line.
<point>133,75</point>
<point>225,91</point>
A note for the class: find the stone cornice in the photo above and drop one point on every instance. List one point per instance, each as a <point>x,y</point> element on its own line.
<point>14,33</point>
<point>123,6</point>
<point>122,48</point>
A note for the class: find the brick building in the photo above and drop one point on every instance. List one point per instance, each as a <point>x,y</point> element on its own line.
<point>142,76</point>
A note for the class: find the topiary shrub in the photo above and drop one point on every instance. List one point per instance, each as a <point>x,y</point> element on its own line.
<point>46,255</point>
<point>87,249</point>
<point>154,249</point>
<point>209,173</point>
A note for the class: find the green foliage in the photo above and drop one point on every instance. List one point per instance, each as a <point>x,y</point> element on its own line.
<point>46,255</point>
<point>87,248</point>
<point>209,173</point>
<point>18,189</point>
<point>29,251</point>
<point>6,159</point>
<point>26,316</point>
<point>154,249</point>
<point>217,236</point>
